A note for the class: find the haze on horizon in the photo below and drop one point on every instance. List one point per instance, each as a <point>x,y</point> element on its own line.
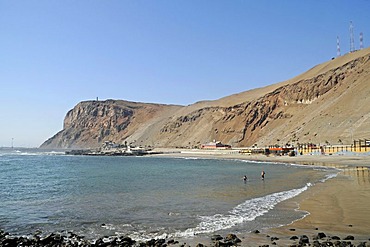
<point>56,54</point>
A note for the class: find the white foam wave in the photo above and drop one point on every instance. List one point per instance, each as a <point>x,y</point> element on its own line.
<point>329,176</point>
<point>247,211</point>
<point>191,158</point>
<point>258,162</point>
<point>38,153</point>
<point>108,226</point>
<point>29,154</point>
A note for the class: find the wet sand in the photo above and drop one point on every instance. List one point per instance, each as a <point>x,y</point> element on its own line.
<point>338,207</point>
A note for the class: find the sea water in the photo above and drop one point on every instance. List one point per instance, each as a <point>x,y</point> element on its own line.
<point>146,197</point>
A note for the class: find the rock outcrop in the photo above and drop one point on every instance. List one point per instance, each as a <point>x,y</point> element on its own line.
<point>328,104</point>
<point>90,123</point>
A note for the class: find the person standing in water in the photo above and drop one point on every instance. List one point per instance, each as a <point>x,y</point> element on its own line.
<point>263,175</point>
<point>245,178</point>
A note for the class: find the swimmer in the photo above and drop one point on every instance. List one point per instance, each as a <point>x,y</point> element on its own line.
<point>263,175</point>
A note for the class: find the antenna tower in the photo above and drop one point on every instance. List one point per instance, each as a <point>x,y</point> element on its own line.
<point>338,47</point>
<point>361,41</point>
<point>352,39</point>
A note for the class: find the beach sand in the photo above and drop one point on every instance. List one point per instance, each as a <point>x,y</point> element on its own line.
<point>338,207</point>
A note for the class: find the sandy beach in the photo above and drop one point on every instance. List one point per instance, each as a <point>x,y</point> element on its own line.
<point>339,207</point>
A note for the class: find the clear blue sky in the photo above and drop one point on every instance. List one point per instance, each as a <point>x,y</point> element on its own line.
<point>55,54</point>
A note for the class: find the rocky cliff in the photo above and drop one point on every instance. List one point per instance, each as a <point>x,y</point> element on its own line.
<point>328,104</point>
<point>91,123</point>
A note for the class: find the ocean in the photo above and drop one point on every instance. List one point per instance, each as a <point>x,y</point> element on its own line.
<point>147,197</point>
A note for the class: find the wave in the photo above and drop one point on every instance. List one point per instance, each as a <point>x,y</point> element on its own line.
<point>329,176</point>
<point>260,162</point>
<point>25,153</point>
<point>191,158</point>
<point>247,211</point>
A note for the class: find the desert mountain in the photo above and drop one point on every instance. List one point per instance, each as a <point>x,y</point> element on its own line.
<point>329,103</point>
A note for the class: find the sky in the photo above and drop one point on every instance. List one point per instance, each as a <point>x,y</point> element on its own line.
<point>55,54</point>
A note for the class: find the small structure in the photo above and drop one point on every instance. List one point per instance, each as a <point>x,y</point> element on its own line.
<point>215,145</point>
<point>281,150</point>
<point>254,150</point>
<point>108,145</point>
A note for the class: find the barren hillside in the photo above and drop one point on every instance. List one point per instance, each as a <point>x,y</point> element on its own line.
<point>327,104</point>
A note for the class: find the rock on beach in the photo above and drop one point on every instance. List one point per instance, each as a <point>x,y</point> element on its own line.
<point>72,239</point>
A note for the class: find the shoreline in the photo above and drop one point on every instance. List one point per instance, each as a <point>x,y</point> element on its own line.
<point>338,207</point>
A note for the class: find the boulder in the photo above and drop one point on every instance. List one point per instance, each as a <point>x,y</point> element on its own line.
<point>316,243</point>
<point>327,243</point>
<point>349,237</point>
<point>232,239</point>
<point>293,238</point>
<point>336,243</point>
<point>48,239</point>
<point>9,242</point>
<point>160,242</point>
<point>216,237</point>
<point>99,242</point>
<point>304,240</point>
<point>221,244</point>
<point>320,235</point>
<point>171,241</point>
<point>127,241</point>
<point>274,238</point>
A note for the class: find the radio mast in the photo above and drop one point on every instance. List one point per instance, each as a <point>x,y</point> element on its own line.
<point>352,39</point>
<point>361,41</point>
<point>338,47</point>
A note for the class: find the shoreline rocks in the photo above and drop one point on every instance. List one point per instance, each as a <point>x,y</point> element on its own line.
<point>72,239</point>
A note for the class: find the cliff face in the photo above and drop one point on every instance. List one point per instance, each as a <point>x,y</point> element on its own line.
<point>327,104</point>
<point>90,123</point>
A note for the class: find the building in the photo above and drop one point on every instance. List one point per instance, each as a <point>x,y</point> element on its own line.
<point>281,150</point>
<point>215,145</point>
